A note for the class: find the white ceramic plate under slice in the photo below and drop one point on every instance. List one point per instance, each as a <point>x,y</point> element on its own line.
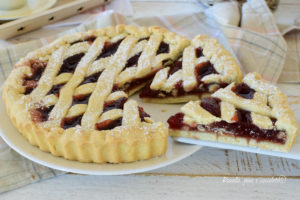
<point>294,153</point>
<point>175,152</point>
<point>32,7</point>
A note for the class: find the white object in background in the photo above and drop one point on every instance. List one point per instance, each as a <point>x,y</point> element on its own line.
<point>227,13</point>
<point>30,8</point>
<point>287,16</point>
<point>121,6</point>
<point>11,4</point>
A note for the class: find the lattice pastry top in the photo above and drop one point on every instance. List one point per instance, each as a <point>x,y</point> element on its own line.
<point>204,67</point>
<point>79,85</point>
<point>254,109</point>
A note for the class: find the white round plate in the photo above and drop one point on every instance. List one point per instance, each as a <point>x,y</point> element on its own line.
<point>175,152</point>
<point>31,7</point>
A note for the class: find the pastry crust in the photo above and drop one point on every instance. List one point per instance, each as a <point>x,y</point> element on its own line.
<point>267,109</point>
<point>225,66</point>
<point>138,138</point>
<point>232,140</point>
<point>174,100</point>
<point>122,144</point>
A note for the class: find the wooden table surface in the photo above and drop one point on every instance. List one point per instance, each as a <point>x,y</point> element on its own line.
<point>209,173</point>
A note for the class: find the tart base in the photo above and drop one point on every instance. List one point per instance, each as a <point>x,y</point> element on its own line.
<point>217,137</point>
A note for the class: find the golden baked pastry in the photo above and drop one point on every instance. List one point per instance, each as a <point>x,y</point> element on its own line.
<point>204,67</point>
<point>70,97</point>
<point>253,113</point>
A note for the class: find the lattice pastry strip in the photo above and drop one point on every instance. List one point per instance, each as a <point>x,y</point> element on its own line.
<point>204,67</point>
<point>81,47</point>
<point>111,115</point>
<point>188,66</point>
<point>163,51</point>
<point>65,98</point>
<point>131,113</point>
<point>145,62</point>
<point>48,76</point>
<point>105,83</point>
<point>228,95</point>
<point>253,113</point>
<point>160,79</point>
<point>142,65</point>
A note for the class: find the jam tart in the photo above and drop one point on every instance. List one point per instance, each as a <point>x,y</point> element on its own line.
<point>70,97</point>
<point>204,67</point>
<point>252,113</point>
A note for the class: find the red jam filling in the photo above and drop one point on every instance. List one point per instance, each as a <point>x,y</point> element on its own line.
<point>55,89</point>
<point>134,83</point>
<point>145,38</point>
<point>30,82</point>
<point>81,99</point>
<point>114,104</point>
<point>92,78</point>
<point>199,52</point>
<point>212,105</point>
<point>177,65</point>
<point>142,114</point>
<point>147,92</point>
<point>111,124</point>
<point>40,114</point>
<point>163,48</point>
<point>243,90</point>
<point>110,48</point>
<point>69,64</point>
<point>133,60</point>
<point>201,70</point>
<point>176,122</point>
<point>89,39</point>
<point>204,69</point>
<point>69,122</point>
<point>244,126</point>
<point>108,124</point>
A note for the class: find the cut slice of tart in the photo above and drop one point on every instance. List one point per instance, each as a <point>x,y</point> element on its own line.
<point>204,67</point>
<point>252,113</point>
<point>70,97</point>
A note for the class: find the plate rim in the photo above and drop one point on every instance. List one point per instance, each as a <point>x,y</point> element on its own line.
<point>93,172</point>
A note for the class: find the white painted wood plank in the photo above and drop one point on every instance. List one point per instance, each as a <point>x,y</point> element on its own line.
<point>217,162</point>
<point>157,187</point>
